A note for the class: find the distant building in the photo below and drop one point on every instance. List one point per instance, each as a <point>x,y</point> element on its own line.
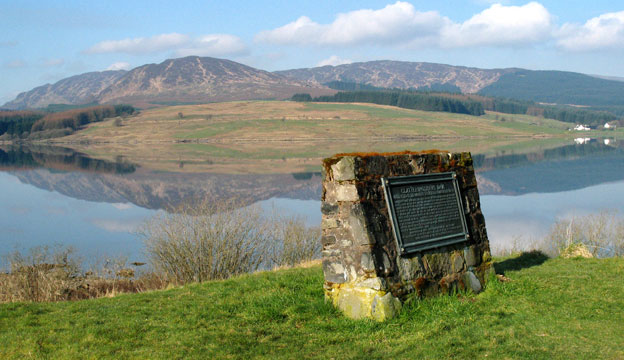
<point>580,127</point>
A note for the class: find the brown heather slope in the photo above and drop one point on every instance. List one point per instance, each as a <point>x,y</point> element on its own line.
<point>400,74</point>
<point>190,79</point>
<point>79,89</point>
<point>202,79</point>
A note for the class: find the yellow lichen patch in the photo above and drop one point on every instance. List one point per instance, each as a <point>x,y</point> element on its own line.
<point>354,301</point>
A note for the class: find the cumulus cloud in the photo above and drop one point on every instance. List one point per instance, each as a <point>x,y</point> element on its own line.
<point>602,32</point>
<point>141,45</point>
<point>120,65</point>
<point>179,44</point>
<point>214,45</point>
<point>334,61</point>
<point>392,24</point>
<point>401,24</point>
<point>500,25</point>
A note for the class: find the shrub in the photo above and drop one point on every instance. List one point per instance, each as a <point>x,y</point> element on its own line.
<point>54,274</point>
<point>43,274</point>
<point>293,242</point>
<point>601,233</point>
<point>218,240</point>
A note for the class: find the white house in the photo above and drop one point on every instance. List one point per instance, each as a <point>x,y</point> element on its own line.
<point>580,127</point>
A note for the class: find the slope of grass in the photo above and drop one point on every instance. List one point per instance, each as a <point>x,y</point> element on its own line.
<point>259,135</point>
<point>550,309</point>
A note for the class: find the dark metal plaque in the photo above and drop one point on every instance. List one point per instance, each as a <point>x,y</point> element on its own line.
<point>426,211</point>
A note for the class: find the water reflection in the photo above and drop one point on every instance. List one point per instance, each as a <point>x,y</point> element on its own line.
<point>58,158</point>
<point>56,195</point>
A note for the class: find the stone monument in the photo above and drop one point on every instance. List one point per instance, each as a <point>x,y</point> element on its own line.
<point>400,225</point>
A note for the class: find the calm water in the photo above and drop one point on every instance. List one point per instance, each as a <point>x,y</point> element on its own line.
<point>56,196</point>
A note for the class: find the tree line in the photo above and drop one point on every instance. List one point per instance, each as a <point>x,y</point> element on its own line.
<point>562,113</point>
<point>24,123</point>
<point>455,102</point>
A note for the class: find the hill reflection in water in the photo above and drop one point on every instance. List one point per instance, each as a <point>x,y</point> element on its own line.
<point>522,194</point>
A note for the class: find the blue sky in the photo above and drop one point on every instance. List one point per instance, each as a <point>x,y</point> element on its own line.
<point>45,41</point>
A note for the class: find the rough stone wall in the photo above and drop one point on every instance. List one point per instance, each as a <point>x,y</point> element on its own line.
<point>364,274</point>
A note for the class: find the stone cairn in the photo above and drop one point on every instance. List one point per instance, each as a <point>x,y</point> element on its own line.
<point>365,275</point>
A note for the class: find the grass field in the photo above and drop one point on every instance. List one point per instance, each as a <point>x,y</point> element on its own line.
<point>282,136</point>
<point>551,309</point>
<point>287,121</point>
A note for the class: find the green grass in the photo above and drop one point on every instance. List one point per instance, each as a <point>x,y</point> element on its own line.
<point>551,309</point>
<point>372,111</point>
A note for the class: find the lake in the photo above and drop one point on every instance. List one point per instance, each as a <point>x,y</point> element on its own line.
<point>54,195</point>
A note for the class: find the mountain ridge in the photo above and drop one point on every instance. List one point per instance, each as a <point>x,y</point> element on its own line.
<point>191,78</point>
<point>401,74</point>
<point>204,79</point>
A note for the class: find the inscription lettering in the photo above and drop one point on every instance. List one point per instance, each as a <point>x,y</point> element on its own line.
<point>426,210</point>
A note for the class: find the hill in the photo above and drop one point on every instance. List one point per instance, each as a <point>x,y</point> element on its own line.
<point>79,89</point>
<point>551,309</point>
<point>190,79</point>
<point>194,79</point>
<point>557,87</point>
<point>200,79</point>
<point>554,87</point>
<point>400,74</point>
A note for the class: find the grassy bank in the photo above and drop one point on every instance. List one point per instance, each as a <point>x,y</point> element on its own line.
<point>550,309</point>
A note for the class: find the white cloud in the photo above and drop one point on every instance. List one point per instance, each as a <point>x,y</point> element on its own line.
<point>120,65</point>
<point>401,24</point>
<point>393,24</point>
<point>602,32</point>
<point>334,61</point>
<point>214,45</point>
<point>15,64</point>
<point>179,44</point>
<point>501,25</point>
<point>141,45</point>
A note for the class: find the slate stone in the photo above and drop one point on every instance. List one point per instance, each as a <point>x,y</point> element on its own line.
<point>334,271</point>
<point>328,240</point>
<point>357,222</point>
<point>458,263</point>
<point>469,255</point>
<point>344,169</point>
<point>472,283</point>
<point>367,263</point>
<point>328,208</point>
<point>347,192</point>
<point>329,223</point>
